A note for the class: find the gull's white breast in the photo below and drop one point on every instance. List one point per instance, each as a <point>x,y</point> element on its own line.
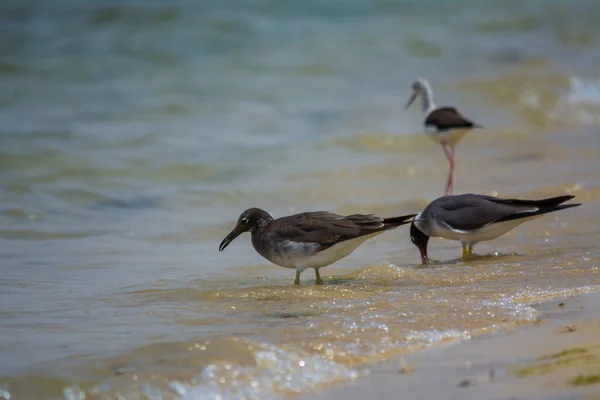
<point>301,256</point>
<point>488,232</point>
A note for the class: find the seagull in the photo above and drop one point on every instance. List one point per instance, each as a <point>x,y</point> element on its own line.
<point>310,239</point>
<point>444,125</point>
<point>474,218</point>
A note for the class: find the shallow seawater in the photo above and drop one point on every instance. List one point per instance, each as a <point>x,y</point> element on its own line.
<point>132,137</point>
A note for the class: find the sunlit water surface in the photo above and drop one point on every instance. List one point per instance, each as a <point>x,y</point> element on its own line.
<point>132,136</point>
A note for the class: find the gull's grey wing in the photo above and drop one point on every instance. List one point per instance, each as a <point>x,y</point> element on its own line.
<point>327,228</point>
<point>471,212</point>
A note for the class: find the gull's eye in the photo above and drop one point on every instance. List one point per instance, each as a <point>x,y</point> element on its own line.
<point>244,221</point>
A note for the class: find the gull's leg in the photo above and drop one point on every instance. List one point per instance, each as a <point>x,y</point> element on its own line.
<point>449,152</point>
<point>465,253</point>
<point>452,172</point>
<point>297,281</point>
<point>319,281</point>
<point>470,249</point>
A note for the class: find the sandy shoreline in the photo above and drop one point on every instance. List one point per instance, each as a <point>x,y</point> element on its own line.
<point>557,357</point>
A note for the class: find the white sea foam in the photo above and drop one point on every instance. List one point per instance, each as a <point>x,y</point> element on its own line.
<point>277,371</point>
<point>580,102</point>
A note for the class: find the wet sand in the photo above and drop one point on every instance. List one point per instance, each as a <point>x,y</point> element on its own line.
<point>556,357</point>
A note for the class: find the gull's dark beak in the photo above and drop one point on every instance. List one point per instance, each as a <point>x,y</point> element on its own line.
<point>413,96</point>
<point>230,238</point>
<point>420,240</point>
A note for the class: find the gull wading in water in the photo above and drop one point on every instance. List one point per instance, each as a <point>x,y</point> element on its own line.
<point>444,125</point>
<point>309,240</point>
<point>474,218</point>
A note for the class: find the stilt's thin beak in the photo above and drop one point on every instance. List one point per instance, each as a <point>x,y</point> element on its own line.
<point>412,98</point>
<point>230,238</point>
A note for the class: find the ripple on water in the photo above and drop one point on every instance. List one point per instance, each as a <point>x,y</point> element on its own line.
<point>32,234</point>
<point>382,142</point>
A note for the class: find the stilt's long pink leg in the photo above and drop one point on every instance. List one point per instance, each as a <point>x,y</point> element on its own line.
<point>449,152</point>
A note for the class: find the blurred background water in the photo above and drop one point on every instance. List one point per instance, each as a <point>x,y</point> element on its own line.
<point>133,134</point>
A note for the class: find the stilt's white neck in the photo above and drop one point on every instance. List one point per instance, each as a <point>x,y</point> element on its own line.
<point>426,95</point>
